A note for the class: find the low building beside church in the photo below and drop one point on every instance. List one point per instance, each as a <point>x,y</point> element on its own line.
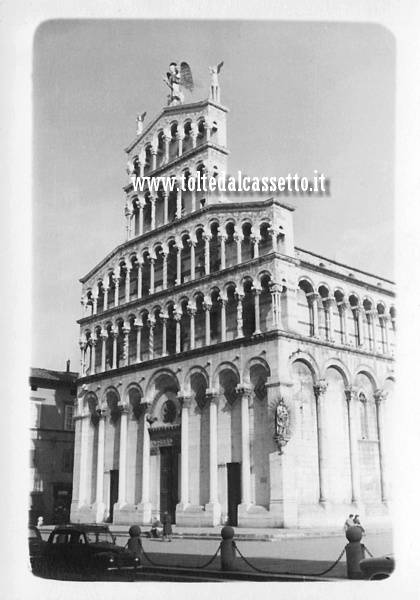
<point>227,376</point>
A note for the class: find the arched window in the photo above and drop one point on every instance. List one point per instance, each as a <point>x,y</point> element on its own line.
<point>265,304</point>
<point>248,310</point>
<point>247,250</point>
<point>215,318</point>
<point>198,389</point>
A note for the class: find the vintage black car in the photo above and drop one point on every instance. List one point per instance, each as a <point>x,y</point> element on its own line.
<point>85,552</point>
<point>377,568</point>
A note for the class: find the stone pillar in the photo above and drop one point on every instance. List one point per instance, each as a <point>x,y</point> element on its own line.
<point>192,243</point>
<point>223,302</point>
<point>180,137</point>
<point>342,307</point>
<point>257,289</point>
<point>153,212</point>
<point>82,346</point>
<point>104,337</point>
<point>152,274</point>
<point>139,280</point>
<point>177,318</point>
<point>358,312</point>
<point>380,397</point>
<point>139,326</point>
<point>164,317</point>
<point>256,239</point>
<point>313,303</point>
<point>192,311</point>
<point>167,140</point>
<point>99,504</point>
<point>127,284</point>
<point>238,237</point>
<point>372,316</point>
<point>141,216</point>
<point>126,331</point>
<point>213,506</point>
<point>106,290</point>
<point>154,157</point>
<point>114,347</point>
<point>244,393</point>
<point>178,213</point>
<point>383,319</point>
<point>165,269</point>
<point>165,207</point>
<point>95,303</point>
<point>178,263</point>
<point>151,323</point>
<point>128,215</point>
<point>275,289</point>
<point>222,238</point>
<point>207,238</point>
<point>351,397</point>
<point>320,388</point>
<point>93,356</point>
<point>328,302</point>
<point>194,192</point>
<point>84,443</point>
<point>144,509</point>
<point>117,289</point>
<point>239,321</point>
<point>185,403</point>
<point>207,307</point>
<point>122,473</point>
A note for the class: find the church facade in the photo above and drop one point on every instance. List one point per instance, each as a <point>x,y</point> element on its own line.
<point>227,376</point>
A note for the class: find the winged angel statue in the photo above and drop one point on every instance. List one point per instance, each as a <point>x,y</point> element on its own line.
<point>177,78</point>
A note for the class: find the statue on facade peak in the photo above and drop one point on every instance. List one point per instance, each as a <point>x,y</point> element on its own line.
<point>214,85</point>
<point>176,78</point>
<point>140,121</point>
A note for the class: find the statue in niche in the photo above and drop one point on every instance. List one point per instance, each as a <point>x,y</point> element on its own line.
<point>281,425</point>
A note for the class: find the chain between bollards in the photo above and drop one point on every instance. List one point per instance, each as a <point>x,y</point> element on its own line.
<point>155,564</point>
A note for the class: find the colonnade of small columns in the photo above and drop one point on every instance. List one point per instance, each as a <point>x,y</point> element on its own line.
<point>251,310</point>
<point>364,317</point>
<point>205,250</point>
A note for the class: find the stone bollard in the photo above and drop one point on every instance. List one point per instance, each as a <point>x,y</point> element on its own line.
<point>354,553</point>
<point>227,549</point>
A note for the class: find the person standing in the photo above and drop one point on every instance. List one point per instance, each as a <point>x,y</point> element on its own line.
<point>348,522</point>
<point>167,527</point>
<point>357,523</point>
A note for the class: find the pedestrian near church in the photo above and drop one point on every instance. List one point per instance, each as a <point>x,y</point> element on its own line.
<point>357,523</point>
<point>349,522</point>
<point>134,543</point>
<point>167,527</point>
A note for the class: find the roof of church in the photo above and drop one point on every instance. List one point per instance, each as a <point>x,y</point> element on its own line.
<point>57,376</point>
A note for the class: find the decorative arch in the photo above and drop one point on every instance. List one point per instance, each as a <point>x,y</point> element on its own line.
<point>369,372</point>
<point>306,358</point>
<point>338,365</point>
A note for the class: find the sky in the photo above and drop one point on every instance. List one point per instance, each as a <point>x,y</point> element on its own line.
<point>301,96</point>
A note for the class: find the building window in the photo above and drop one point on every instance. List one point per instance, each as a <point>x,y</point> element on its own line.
<point>36,414</point>
<point>68,417</point>
<point>68,460</point>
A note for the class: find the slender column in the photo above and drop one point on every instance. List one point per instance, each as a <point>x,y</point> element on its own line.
<point>207,307</point>
<point>84,442</point>
<point>104,337</point>
<point>238,237</point>
<point>151,323</point>
<point>180,137</point>
<point>126,331</point>
<point>213,481</point>
<point>139,326</point>
<point>177,318</point>
<point>342,307</point>
<point>127,284</point>
<point>164,317</point>
<point>372,316</point>
<point>154,157</point>
<point>313,302</point>
<point>82,357</point>
<point>114,348</point>
<point>194,139</point>
<point>165,269</point>
<point>128,215</point>
<point>274,232</point>
<point>328,302</point>
<point>194,192</point>
<point>106,290</point>
<point>223,302</point>
<point>117,288</point>
<point>153,212</point>
<point>245,392</point>
<point>152,274</point>
<point>275,289</point>
<point>145,508</point>
<point>383,319</point>
<point>141,216</point>
<point>167,140</point>
<point>178,214</point>
<point>93,355</point>
<point>358,311</point>
<point>257,289</point>
<point>256,239</point>
<point>185,403</point>
<point>192,243</point>
<point>351,397</point>
<point>122,473</point>
<point>207,238</point>
<point>380,397</point>
<point>178,264</point>
<point>99,502</point>
<point>139,280</point>
<point>95,304</point>
<point>165,207</point>
<point>239,321</point>
<point>192,312</point>
<point>320,388</point>
<point>222,238</point>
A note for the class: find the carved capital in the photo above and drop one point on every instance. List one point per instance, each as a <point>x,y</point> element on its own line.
<point>320,387</point>
<point>351,393</point>
<point>380,396</point>
<point>184,399</point>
